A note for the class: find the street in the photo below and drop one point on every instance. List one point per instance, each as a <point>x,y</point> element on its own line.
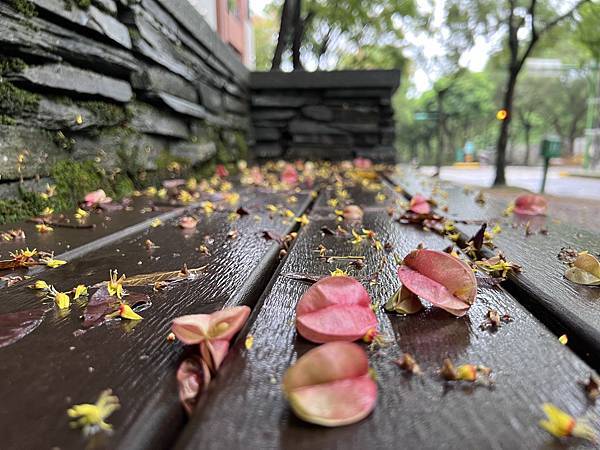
<point>558,183</point>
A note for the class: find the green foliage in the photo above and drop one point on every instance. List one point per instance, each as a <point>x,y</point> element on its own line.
<point>83,4</point>
<point>374,57</point>
<point>25,7</point>
<point>107,112</point>
<point>588,29</point>
<point>265,37</point>
<point>14,100</point>
<point>74,179</point>
<point>11,65</point>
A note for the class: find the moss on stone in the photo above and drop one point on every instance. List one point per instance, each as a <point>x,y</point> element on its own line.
<point>83,4</point>
<point>14,100</point>
<point>107,112</point>
<point>25,7</point>
<point>74,179</point>
<point>11,65</point>
<point>7,120</point>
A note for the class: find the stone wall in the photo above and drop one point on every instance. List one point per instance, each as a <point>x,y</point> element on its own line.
<point>323,115</point>
<point>128,84</point>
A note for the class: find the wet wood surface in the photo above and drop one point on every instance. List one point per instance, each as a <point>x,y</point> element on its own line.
<point>569,308</point>
<point>244,406</point>
<point>55,366</point>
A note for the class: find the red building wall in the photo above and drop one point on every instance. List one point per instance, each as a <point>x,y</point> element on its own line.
<point>231,17</point>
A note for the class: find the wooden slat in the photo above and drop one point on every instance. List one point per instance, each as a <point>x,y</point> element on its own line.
<point>244,406</point>
<point>51,369</point>
<point>541,286</point>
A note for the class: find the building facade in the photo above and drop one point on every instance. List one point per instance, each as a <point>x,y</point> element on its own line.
<point>231,20</point>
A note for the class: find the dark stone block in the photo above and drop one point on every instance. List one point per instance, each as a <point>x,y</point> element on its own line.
<point>38,147</point>
<point>322,139</point>
<point>279,101</point>
<point>359,92</point>
<point>381,153</point>
<point>195,153</point>
<point>235,104</point>
<point>280,114</point>
<point>329,153</point>
<point>343,79</point>
<point>267,134</point>
<point>69,78</point>
<point>41,39</point>
<point>309,127</point>
<point>364,127</point>
<point>157,79</point>
<point>353,114</point>
<point>13,190</point>
<point>269,150</point>
<point>146,119</point>
<point>210,98</point>
<point>318,112</point>
<point>91,18</point>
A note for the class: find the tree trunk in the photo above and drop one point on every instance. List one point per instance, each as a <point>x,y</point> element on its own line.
<point>527,127</point>
<point>299,27</point>
<point>504,128</point>
<point>284,33</point>
<point>440,132</point>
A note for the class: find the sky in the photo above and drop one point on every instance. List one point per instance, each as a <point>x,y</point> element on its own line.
<point>422,79</point>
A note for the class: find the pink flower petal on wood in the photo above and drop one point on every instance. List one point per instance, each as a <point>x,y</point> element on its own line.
<point>192,377</point>
<point>362,163</point>
<point>188,222</point>
<point>419,204</point>
<point>96,198</point>
<point>530,205</point>
<point>214,352</point>
<point>353,212</point>
<point>439,278</point>
<point>191,329</point>
<point>289,175</point>
<point>330,385</point>
<point>222,324</point>
<point>335,309</point>
<point>221,171</point>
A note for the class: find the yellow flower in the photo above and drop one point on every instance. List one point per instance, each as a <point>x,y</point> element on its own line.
<point>339,273</point>
<point>357,237</point>
<point>53,263</point>
<point>92,417</point>
<point>380,197</point>
<point>333,202</point>
<point>126,312</point>
<point>208,207</point>
<point>161,193</point>
<point>24,253</point>
<point>302,220</point>
<point>150,191</point>
<point>81,214</point>
<point>293,199</point>
<point>560,424</point>
<point>43,228</point>
<point>509,209</point>
<point>249,342</point>
<point>271,208</point>
<point>47,211</point>
<point>184,196</point>
<point>497,229</point>
<point>41,285</point>
<point>563,339</point>
<point>80,291</point>
<point>191,184</point>
<point>78,119</point>
<point>378,245</point>
<point>61,299</point>
<point>156,223</point>
<point>115,285</point>
<point>288,213</point>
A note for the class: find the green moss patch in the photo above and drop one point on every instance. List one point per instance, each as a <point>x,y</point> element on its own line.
<point>25,7</point>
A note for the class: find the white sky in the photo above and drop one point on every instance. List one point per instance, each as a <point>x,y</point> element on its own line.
<point>475,60</point>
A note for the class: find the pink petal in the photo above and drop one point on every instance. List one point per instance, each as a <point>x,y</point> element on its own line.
<point>353,212</point>
<point>192,376</point>
<point>191,329</point>
<point>419,204</point>
<point>188,222</point>
<point>289,175</point>
<point>334,309</point>
<point>96,197</point>
<point>330,385</point>
<point>214,352</point>
<point>173,184</point>
<point>362,163</point>
<point>221,171</point>
<point>235,318</point>
<point>530,205</point>
<point>440,278</point>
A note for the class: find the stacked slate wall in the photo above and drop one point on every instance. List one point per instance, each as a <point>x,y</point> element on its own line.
<point>323,115</point>
<point>127,84</point>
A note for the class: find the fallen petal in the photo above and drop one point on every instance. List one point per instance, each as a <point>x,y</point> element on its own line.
<point>353,212</point>
<point>330,385</point>
<point>16,325</point>
<point>419,204</point>
<point>439,278</point>
<point>335,309</point>
<point>530,205</point>
<point>404,302</point>
<point>192,377</point>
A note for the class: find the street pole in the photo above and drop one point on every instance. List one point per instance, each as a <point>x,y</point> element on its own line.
<point>593,103</point>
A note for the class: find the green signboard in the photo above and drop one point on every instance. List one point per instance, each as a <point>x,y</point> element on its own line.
<point>550,147</point>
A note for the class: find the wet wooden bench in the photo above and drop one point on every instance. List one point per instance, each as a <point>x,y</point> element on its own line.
<point>50,369</point>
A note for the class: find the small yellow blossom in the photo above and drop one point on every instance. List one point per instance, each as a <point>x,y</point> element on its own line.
<point>126,312</point>
<point>53,263</point>
<point>357,237</point>
<point>156,223</point>
<point>271,208</point>
<point>233,198</point>
<point>81,214</point>
<point>563,339</point>
<point>288,213</point>
<point>78,119</point>
<point>560,424</point>
<point>185,197</point>
<point>293,199</point>
<point>380,197</point>
<point>80,291</point>
<point>115,284</point>
<point>43,228</point>
<point>161,193</point>
<point>41,285</point>
<point>249,342</point>
<point>26,253</point>
<point>150,191</point>
<point>497,229</point>
<point>378,245</point>
<point>333,202</point>
<point>47,211</point>
<point>174,166</point>
<point>61,299</point>
<point>208,207</point>
<point>338,273</point>
<point>233,216</point>
<point>302,220</point>
<point>92,417</point>
<point>509,209</point>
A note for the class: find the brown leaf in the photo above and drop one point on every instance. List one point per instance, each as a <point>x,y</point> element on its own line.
<point>148,279</point>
